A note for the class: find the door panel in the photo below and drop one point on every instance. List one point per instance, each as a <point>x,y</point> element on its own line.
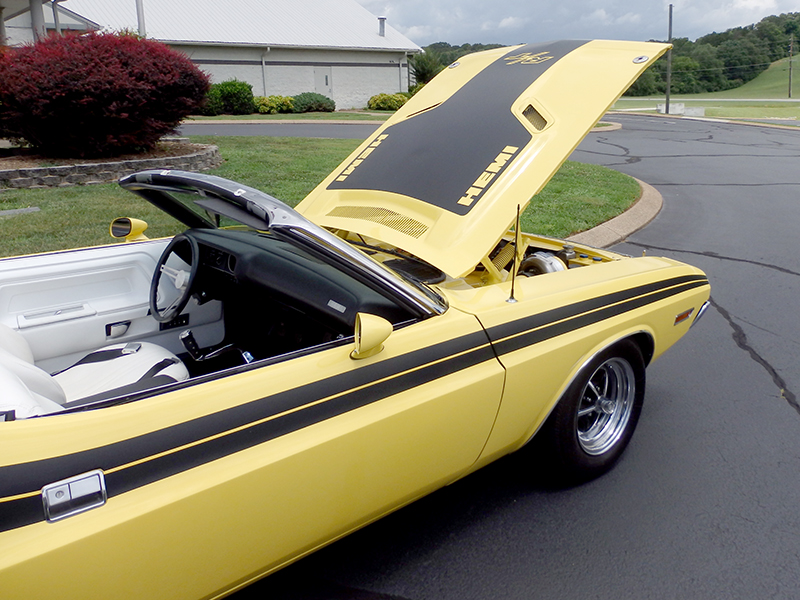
<point>66,304</point>
<point>248,471</point>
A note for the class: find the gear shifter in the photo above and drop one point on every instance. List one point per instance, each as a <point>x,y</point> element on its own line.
<point>193,348</point>
<point>188,341</point>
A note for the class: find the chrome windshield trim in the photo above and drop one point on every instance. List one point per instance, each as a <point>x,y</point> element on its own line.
<point>284,222</point>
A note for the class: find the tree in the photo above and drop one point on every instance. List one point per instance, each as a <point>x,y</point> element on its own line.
<point>425,66</point>
<point>744,59</point>
<point>711,70</point>
<point>649,83</point>
<point>685,75</point>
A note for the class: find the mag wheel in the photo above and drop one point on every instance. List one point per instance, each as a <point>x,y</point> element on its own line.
<point>593,422</point>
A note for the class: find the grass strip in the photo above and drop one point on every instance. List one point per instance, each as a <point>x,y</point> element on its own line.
<point>578,197</point>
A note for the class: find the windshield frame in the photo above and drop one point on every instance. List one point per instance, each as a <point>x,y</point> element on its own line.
<point>172,191</point>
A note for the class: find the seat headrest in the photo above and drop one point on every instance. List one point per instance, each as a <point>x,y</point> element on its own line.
<point>14,343</point>
<point>17,397</point>
<point>38,381</point>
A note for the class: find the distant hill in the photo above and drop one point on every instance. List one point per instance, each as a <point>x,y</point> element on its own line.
<point>772,83</point>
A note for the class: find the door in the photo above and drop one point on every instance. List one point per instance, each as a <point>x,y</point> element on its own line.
<point>248,471</point>
<point>323,81</point>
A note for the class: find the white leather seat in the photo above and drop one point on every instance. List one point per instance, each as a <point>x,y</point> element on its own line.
<point>17,397</point>
<point>113,370</point>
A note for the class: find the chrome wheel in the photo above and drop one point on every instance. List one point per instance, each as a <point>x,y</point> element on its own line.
<point>606,406</point>
<point>596,416</point>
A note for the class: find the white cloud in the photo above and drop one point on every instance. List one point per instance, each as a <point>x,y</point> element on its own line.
<point>476,21</point>
<point>598,16</point>
<point>632,18</point>
<point>416,32</point>
<point>512,23</point>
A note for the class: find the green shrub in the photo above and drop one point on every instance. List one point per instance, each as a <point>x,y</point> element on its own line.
<point>99,94</point>
<point>386,101</point>
<point>415,88</point>
<point>312,102</point>
<point>236,96</point>
<point>213,104</point>
<point>271,105</point>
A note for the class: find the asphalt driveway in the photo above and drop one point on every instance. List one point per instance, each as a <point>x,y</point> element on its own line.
<point>705,502</point>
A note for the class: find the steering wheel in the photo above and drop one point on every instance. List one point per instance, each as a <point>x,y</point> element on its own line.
<point>179,263</point>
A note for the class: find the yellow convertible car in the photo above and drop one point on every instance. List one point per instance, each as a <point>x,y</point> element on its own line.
<point>180,417</point>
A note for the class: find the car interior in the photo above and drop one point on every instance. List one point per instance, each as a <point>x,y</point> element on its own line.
<point>96,327</point>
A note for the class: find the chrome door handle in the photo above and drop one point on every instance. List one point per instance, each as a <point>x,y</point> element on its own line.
<point>75,495</point>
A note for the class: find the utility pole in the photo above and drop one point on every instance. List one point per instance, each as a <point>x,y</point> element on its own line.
<point>791,48</point>
<point>2,28</point>
<point>669,59</point>
<point>140,18</point>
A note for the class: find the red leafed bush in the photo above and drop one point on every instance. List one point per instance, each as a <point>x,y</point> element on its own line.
<point>98,94</point>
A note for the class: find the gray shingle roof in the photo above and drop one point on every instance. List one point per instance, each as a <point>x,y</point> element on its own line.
<point>302,23</point>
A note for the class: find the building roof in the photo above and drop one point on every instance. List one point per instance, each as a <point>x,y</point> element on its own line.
<point>295,23</point>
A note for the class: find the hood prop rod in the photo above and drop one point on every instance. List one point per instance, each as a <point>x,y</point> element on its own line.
<point>515,262</point>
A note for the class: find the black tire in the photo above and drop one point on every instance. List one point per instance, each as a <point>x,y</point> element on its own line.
<point>591,425</point>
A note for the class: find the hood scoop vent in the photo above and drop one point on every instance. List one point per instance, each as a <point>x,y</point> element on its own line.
<point>382,216</point>
<point>535,118</point>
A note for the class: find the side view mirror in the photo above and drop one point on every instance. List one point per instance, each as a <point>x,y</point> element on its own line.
<point>130,229</point>
<point>371,332</point>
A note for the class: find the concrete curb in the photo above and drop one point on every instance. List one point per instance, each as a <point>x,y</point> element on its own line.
<point>609,126</point>
<point>620,227</point>
<point>736,121</point>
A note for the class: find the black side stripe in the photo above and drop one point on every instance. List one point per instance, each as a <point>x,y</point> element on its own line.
<point>579,321</point>
<point>22,512</point>
<point>512,328</point>
<point>376,382</point>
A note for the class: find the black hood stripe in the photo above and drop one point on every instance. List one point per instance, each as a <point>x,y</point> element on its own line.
<point>450,145</point>
<point>136,462</point>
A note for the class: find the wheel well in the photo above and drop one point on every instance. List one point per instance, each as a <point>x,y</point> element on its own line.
<point>646,345</point>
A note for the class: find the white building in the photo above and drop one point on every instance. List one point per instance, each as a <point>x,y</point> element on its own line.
<point>333,47</point>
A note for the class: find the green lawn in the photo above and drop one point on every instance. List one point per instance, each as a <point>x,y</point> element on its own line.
<point>757,99</point>
<point>578,197</point>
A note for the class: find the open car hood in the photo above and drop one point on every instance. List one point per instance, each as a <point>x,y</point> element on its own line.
<point>443,177</point>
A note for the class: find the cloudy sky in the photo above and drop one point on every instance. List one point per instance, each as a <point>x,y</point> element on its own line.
<point>516,21</point>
